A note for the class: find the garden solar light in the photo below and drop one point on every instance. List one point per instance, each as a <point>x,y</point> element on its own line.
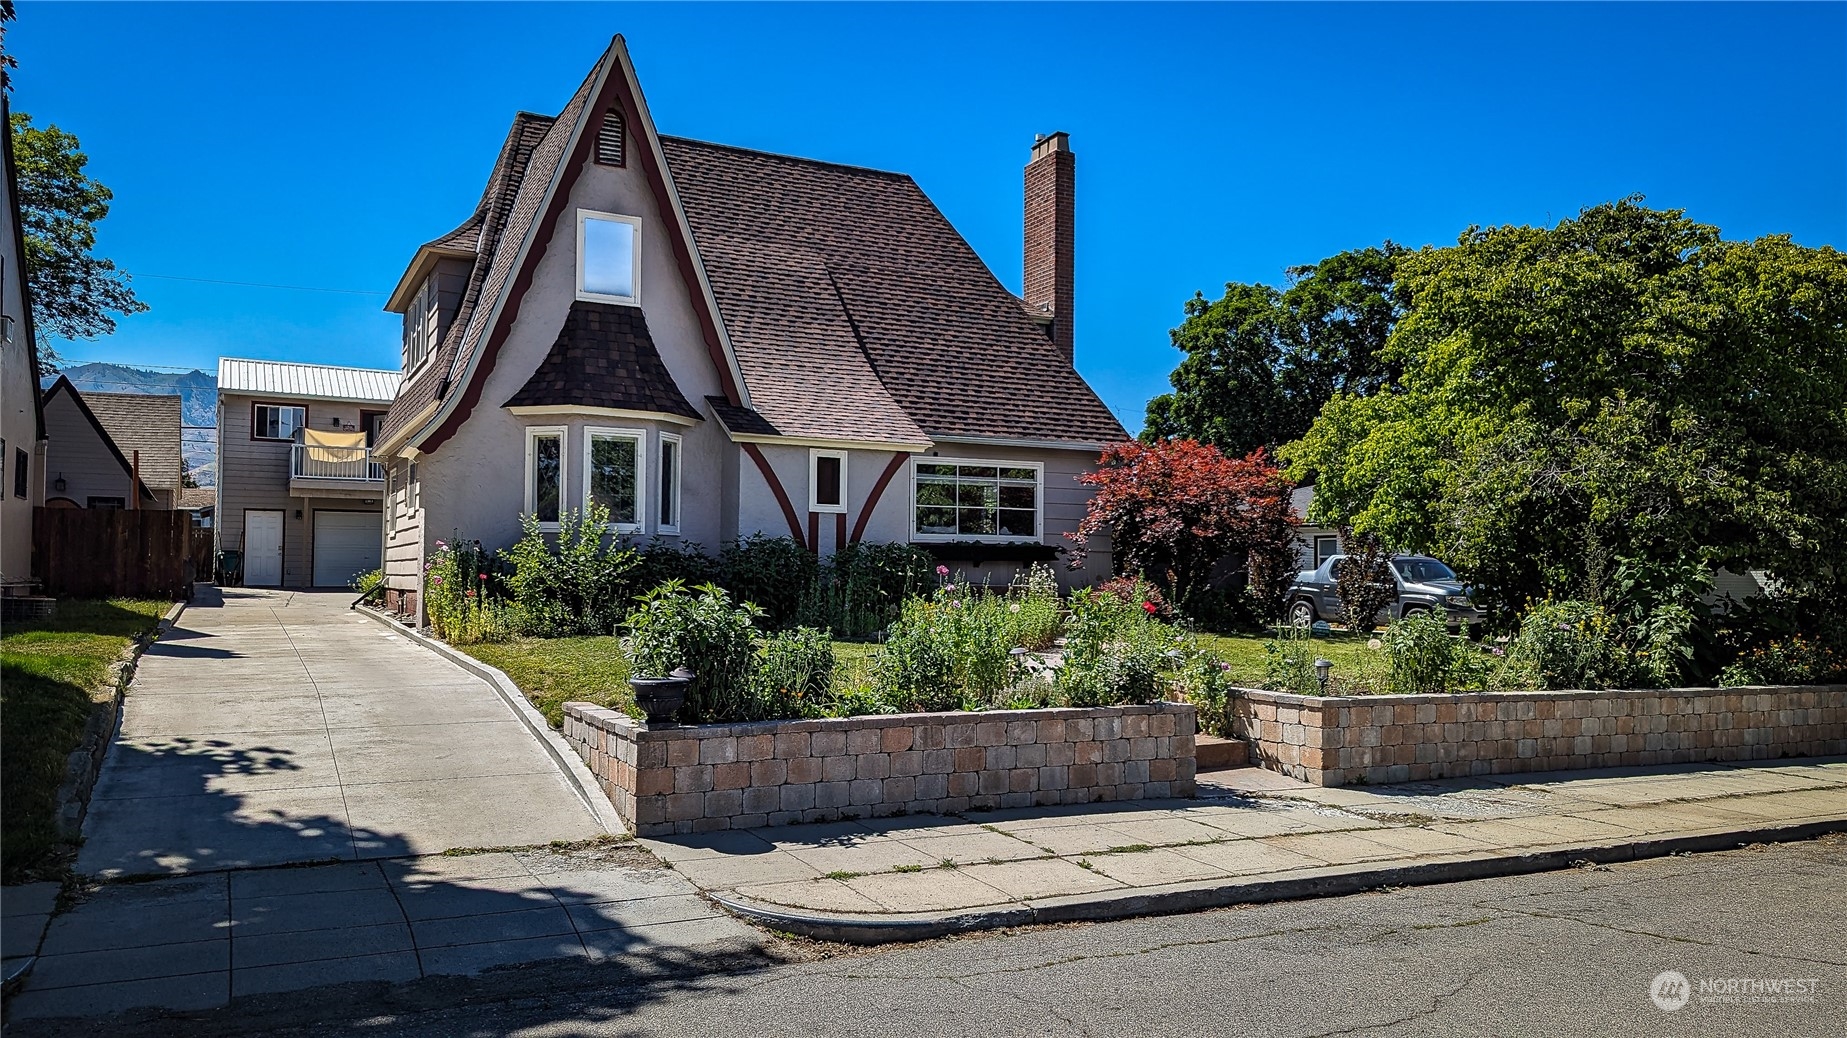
<point>1322,666</point>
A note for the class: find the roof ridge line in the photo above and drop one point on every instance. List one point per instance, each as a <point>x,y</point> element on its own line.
<point>803,159</point>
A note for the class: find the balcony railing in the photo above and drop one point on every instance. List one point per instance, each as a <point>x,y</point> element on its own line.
<point>312,461</point>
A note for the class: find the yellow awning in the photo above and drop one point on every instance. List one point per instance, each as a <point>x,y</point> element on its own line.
<point>326,445</point>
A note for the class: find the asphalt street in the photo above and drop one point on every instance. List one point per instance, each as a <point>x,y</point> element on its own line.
<point>1569,953</point>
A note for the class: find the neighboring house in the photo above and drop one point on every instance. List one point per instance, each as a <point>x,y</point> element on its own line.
<point>201,502</point>
<point>716,342</point>
<point>1314,545</point>
<point>299,494</point>
<point>22,416</point>
<point>95,441</point>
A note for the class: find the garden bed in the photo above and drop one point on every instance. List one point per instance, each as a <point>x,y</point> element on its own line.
<point>1347,740</point>
<point>684,779</point>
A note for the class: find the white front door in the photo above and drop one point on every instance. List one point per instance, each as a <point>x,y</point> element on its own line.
<point>263,548</point>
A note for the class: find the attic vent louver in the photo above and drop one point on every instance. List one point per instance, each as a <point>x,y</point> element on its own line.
<point>610,140</point>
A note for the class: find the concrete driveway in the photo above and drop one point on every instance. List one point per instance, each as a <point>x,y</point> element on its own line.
<point>277,727</point>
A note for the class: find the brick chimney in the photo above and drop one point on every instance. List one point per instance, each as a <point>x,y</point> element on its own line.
<point>1051,188</point>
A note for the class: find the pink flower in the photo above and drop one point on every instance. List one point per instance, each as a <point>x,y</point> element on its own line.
<point>1148,607</point>
<point>469,594</point>
<point>955,604</point>
<point>942,571</point>
<point>949,587</point>
<point>483,576</point>
<point>437,581</point>
<point>440,545</point>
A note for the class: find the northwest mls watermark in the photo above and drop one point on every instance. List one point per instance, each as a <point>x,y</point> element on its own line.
<point>1672,990</point>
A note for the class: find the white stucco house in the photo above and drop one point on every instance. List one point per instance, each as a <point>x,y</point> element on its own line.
<point>714,342</point>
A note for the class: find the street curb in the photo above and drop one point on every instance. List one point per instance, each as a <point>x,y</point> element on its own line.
<point>576,774</point>
<point>1336,881</point>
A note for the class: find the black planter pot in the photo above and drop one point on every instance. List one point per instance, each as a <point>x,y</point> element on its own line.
<point>661,698</point>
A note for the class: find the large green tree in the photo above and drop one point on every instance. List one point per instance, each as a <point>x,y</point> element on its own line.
<point>1260,362</point>
<point>1627,390</point>
<point>74,291</point>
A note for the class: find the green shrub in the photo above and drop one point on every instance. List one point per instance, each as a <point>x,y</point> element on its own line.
<point>1425,659</point>
<point>773,573</point>
<point>577,583</point>
<point>366,583</point>
<point>858,590</point>
<point>1574,644</point>
<point>1205,681</point>
<point>1035,613</point>
<point>704,632</point>
<point>662,561</point>
<point>1289,662</point>
<point>1114,651</point>
<point>952,651</point>
<point>795,670</point>
<point>1794,660</point>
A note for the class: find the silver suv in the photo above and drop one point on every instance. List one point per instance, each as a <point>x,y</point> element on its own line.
<point>1425,585</point>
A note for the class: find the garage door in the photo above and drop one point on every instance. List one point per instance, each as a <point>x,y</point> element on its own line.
<point>345,544</point>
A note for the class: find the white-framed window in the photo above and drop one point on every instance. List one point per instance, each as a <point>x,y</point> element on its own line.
<point>827,481</point>
<point>276,421</point>
<point>420,326</point>
<point>954,499</point>
<point>614,475</point>
<point>608,257</point>
<point>545,473</point>
<point>669,484</point>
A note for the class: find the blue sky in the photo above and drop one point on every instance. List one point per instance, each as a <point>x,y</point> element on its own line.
<point>318,145</point>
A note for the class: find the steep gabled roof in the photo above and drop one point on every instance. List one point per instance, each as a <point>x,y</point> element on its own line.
<point>146,423</point>
<point>849,306</point>
<point>63,385</point>
<point>952,348</point>
<point>487,226</point>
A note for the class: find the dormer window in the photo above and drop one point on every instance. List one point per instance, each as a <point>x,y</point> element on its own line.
<point>611,139</point>
<point>420,326</point>
<point>608,267</point>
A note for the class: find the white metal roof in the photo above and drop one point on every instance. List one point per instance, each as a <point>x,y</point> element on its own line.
<point>314,381</point>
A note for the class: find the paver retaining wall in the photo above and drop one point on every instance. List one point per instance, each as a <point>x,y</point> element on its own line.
<point>1341,740</point>
<point>673,779</point>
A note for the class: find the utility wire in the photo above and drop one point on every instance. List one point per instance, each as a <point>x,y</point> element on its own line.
<point>257,284</point>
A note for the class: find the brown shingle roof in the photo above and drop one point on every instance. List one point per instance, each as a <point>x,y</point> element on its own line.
<point>854,309</point>
<point>604,357</point>
<point>146,423</point>
<point>487,225</point>
<point>192,498</point>
<point>950,346</point>
<point>741,420</point>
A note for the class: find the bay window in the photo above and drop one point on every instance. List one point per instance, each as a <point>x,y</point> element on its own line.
<point>955,500</point>
<point>545,474</point>
<point>613,475</point>
<point>670,484</point>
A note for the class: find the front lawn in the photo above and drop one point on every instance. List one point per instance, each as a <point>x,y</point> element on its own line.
<point>51,675</point>
<point>1245,654</point>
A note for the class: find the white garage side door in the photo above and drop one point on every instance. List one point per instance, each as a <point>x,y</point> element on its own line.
<point>345,544</point>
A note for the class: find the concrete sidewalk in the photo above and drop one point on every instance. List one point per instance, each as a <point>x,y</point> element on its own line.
<point>1252,835</point>
<point>203,941</point>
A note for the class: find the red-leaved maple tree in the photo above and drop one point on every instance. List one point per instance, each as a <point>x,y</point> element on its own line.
<point>1175,508</point>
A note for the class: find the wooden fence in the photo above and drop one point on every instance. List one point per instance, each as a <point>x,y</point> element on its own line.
<point>204,561</point>
<point>106,552</point>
